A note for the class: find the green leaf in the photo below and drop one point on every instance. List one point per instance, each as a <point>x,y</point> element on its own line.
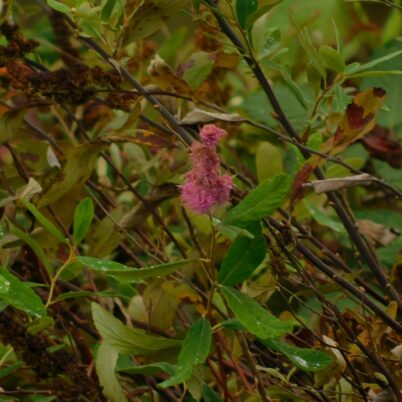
<point>332,59</point>
<point>89,30</point>
<point>286,71</point>
<point>266,40</point>
<point>307,44</point>
<point>4,285</point>
<point>125,339</point>
<point>83,217</point>
<point>322,218</point>
<point>128,274</point>
<point>378,60</point>
<point>375,73</point>
<point>52,229</point>
<point>105,363</point>
<point>209,395</point>
<point>253,17</point>
<point>194,351</point>
<point>21,295</point>
<point>112,7</point>
<point>231,232</point>
<point>244,8</point>
<point>342,100</point>
<point>392,84</point>
<point>242,258</point>
<point>148,369</point>
<point>388,173</point>
<point>261,202</point>
<point>294,87</point>
<point>35,246</point>
<point>254,317</point>
<point>107,10</point>
<point>268,161</point>
<point>41,324</point>
<point>257,107</point>
<point>200,66</point>
<point>62,8</point>
<point>87,293</point>
<point>304,358</point>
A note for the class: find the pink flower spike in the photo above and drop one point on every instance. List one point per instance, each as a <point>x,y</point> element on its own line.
<point>204,187</point>
<point>211,134</point>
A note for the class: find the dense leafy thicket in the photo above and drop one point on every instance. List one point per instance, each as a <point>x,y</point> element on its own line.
<point>200,200</point>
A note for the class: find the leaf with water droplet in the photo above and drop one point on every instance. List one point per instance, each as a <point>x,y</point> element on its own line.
<point>21,295</point>
<point>254,318</point>
<point>307,359</point>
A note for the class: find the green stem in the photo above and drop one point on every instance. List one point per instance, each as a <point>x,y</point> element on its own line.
<point>56,277</point>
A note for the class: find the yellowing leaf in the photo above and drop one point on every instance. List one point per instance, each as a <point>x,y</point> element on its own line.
<point>5,9</point>
<point>268,161</point>
<point>105,363</point>
<point>77,170</point>
<point>163,76</point>
<point>149,17</point>
<point>10,124</point>
<point>359,119</point>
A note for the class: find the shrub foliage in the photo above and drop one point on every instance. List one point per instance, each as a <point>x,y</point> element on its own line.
<point>200,200</point>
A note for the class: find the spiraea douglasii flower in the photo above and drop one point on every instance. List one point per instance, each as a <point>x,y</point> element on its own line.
<point>204,186</point>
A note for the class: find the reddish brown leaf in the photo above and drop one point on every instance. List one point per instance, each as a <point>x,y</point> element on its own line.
<point>382,146</point>
<point>301,178</point>
<point>358,121</point>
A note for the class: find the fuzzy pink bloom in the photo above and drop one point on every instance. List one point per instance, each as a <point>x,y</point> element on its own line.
<point>204,187</point>
<point>211,134</point>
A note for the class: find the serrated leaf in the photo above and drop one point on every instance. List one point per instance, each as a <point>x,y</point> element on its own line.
<point>244,9</point>
<point>105,363</point>
<point>254,317</point>
<point>83,216</point>
<point>242,258</point>
<point>306,359</point>
<point>261,202</point>
<point>20,295</point>
<point>125,339</point>
<point>194,351</point>
<point>129,274</point>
